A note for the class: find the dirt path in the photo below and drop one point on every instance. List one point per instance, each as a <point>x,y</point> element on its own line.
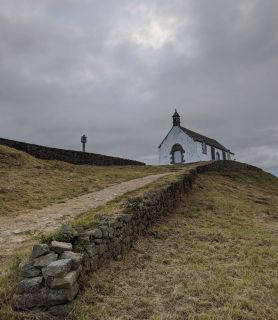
<point>15,231</point>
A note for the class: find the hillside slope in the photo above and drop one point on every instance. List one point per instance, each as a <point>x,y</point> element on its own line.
<point>216,257</point>
<point>30,183</point>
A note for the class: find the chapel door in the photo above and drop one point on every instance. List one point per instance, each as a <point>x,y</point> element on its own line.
<point>177,157</point>
<point>212,153</point>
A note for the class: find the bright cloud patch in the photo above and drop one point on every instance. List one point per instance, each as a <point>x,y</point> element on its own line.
<point>156,34</point>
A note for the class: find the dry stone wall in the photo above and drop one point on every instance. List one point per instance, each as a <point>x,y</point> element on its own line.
<point>71,156</point>
<point>50,280</point>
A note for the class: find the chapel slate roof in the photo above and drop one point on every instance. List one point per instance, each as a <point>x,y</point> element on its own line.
<point>199,137</point>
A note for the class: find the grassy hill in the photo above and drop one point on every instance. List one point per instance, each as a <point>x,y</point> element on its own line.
<point>30,183</point>
<point>216,257</point>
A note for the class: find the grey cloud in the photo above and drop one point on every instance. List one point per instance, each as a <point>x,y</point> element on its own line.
<point>69,67</point>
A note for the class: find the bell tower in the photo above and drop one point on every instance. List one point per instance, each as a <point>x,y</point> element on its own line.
<point>176,119</point>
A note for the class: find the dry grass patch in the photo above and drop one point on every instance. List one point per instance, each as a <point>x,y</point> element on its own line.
<point>30,183</point>
<point>215,258</point>
<point>126,201</point>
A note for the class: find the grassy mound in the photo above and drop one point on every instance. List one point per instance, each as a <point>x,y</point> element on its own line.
<point>215,258</point>
<point>30,183</point>
<point>10,158</point>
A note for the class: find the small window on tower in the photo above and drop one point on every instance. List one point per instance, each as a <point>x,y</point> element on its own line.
<point>204,147</point>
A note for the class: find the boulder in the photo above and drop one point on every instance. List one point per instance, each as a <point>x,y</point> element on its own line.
<point>39,250</point>
<point>60,247</point>
<point>44,261</point>
<point>58,269</point>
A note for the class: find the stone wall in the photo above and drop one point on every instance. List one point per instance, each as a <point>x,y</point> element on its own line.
<point>50,280</point>
<point>71,156</point>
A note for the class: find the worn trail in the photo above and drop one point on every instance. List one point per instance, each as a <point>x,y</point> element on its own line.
<point>16,231</point>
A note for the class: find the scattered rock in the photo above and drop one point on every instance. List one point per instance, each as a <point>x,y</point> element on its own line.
<point>58,268</point>
<point>27,270</point>
<point>29,285</point>
<point>39,250</point>
<point>60,247</point>
<point>44,261</point>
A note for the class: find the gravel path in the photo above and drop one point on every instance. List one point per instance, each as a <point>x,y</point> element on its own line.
<point>15,231</point>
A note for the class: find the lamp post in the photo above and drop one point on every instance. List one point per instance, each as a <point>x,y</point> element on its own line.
<point>83,141</point>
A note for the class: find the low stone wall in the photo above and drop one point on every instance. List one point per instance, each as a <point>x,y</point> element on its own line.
<point>51,279</point>
<point>71,156</point>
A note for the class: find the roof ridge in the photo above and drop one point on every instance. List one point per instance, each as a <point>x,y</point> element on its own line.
<point>200,137</point>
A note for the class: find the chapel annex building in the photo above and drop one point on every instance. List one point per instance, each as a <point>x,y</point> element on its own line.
<point>182,145</point>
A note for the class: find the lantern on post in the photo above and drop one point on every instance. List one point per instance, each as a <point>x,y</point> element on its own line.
<point>83,141</point>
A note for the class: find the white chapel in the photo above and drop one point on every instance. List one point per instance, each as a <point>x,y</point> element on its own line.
<point>182,145</point>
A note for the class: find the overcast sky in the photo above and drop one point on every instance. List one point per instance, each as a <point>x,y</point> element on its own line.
<point>115,70</point>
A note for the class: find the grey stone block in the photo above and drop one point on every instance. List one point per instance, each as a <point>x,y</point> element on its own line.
<point>92,250</point>
<point>29,285</point>
<point>74,256</point>
<point>39,250</point>
<point>105,231</point>
<point>69,230</point>
<point>44,261</point>
<point>111,232</point>
<point>96,234</point>
<point>98,241</point>
<point>60,247</point>
<point>66,282</point>
<point>102,248</point>
<point>27,270</point>
<point>62,296</point>
<point>58,268</point>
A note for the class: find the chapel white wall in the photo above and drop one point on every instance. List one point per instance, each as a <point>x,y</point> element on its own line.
<point>193,149</point>
<point>176,135</point>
